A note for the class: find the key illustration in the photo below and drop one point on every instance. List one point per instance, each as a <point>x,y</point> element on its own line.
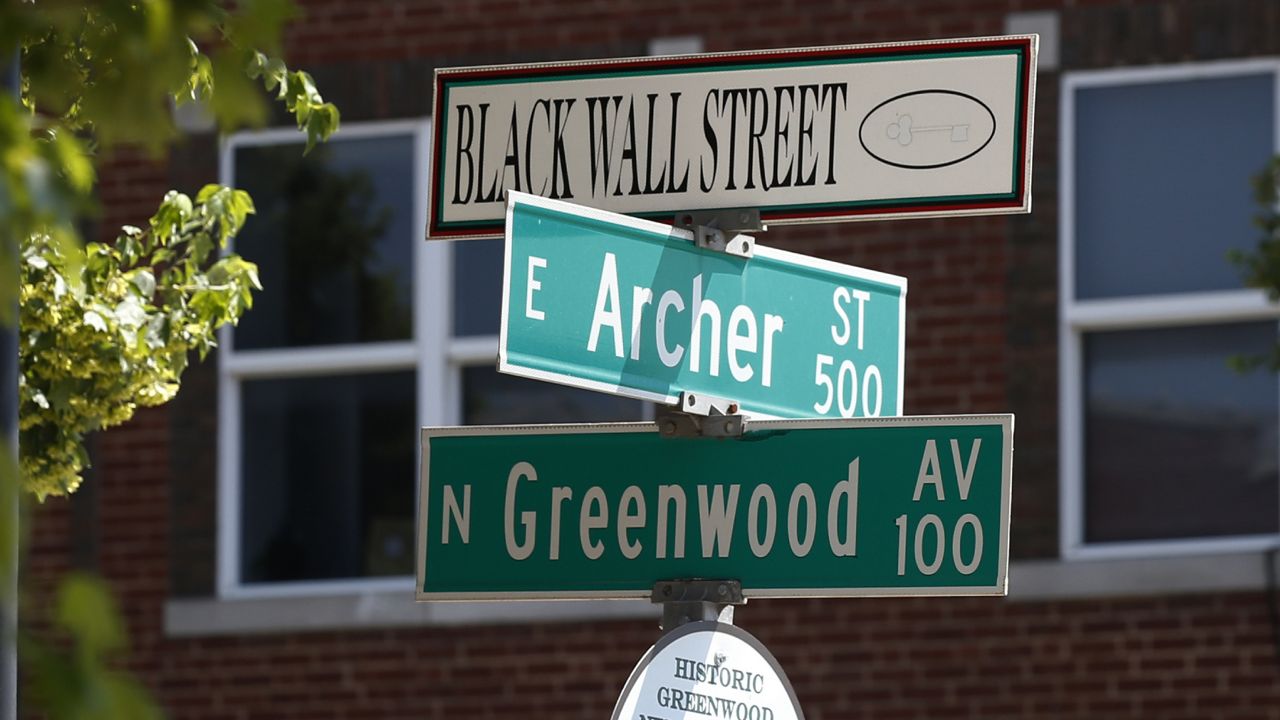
<point>903,130</point>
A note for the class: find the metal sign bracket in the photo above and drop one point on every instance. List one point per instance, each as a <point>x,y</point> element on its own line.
<point>718,229</point>
<point>689,600</point>
<point>699,415</point>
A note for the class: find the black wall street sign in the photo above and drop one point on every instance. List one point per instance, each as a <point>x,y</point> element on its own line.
<point>806,135</point>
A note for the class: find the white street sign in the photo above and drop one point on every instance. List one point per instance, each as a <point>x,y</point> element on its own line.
<point>708,669</point>
<point>805,135</point>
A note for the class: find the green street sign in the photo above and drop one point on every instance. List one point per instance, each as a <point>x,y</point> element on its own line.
<point>793,508</point>
<point>612,303</point>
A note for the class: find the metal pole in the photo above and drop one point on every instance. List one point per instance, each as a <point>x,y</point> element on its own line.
<point>9,485</point>
<point>9,521</point>
<point>687,600</point>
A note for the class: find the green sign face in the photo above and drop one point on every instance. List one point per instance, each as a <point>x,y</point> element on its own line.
<point>617,304</point>
<point>795,508</point>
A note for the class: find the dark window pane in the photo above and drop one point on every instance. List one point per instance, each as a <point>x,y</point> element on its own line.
<point>1162,182</point>
<point>333,240</point>
<point>1178,445</point>
<point>491,398</point>
<point>327,477</point>
<point>477,287</point>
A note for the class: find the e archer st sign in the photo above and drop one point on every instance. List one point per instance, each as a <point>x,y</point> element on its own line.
<point>807,135</point>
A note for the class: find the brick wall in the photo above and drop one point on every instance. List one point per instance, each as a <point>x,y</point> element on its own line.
<point>1200,657</point>
<point>982,336</point>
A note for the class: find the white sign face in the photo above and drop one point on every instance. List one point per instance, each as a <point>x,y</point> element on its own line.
<point>810,135</point>
<point>708,669</point>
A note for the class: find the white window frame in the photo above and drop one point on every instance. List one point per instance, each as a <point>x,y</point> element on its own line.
<point>429,351</point>
<point>438,356</point>
<point>1078,317</point>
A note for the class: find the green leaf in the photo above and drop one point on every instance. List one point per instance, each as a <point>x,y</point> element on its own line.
<point>202,87</point>
<point>74,161</point>
<point>145,281</point>
<point>209,306</point>
<point>130,248</point>
<point>159,20</point>
<point>179,201</point>
<point>237,100</point>
<point>59,285</point>
<point>321,124</point>
<point>157,336</point>
<point>95,321</point>
<point>251,270</point>
<point>220,272</point>
<point>257,65</point>
<point>130,313</point>
<point>125,698</point>
<point>241,206</point>
<point>276,76</point>
<point>201,246</point>
<point>88,613</point>
<point>60,394</point>
<point>207,192</point>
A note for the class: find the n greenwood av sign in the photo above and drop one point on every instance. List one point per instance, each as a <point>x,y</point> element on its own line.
<point>805,135</point>
<point>793,508</point>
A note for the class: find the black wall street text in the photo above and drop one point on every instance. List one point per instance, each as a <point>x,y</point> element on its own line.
<point>752,138</point>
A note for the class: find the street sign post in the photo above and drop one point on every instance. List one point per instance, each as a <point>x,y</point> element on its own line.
<point>806,135</point>
<point>618,304</point>
<point>792,508</point>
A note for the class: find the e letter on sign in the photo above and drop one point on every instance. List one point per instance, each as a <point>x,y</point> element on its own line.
<point>805,135</point>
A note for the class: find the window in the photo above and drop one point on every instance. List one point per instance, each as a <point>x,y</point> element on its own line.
<point>1164,448</point>
<point>364,333</point>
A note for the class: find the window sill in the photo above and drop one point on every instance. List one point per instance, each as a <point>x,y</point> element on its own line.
<point>1029,581</point>
<point>191,617</point>
<point>1072,579</point>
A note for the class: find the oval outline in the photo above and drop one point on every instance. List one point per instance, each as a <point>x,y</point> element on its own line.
<point>709,626</point>
<point>862,141</point>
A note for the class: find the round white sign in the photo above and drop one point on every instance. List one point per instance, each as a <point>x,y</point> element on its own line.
<point>708,670</point>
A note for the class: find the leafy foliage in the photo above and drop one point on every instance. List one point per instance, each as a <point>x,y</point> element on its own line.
<point>82,684</point>
<point>107,328</point>
<point>97,75</point>
<point>1261,267</point>
<point>112,334</point>
<point>298,93</point>
<point>102,66</point>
